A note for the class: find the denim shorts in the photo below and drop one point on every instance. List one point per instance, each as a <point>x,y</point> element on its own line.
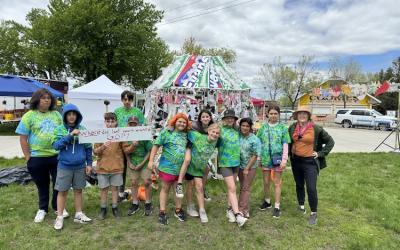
<point>106,180</point>
<point>67,178</point>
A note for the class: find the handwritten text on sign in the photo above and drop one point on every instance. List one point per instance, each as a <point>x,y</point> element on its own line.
<point>142,133</point>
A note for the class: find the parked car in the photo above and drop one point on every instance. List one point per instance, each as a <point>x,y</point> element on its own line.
<point>364,117</point>
<point>286,115</point>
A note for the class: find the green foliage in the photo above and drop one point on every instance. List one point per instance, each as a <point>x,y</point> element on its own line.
<point>389,99</point>
<point>358,209</point>
<point>8,128</point>
<point>88,38</point>
<point>192,47</point>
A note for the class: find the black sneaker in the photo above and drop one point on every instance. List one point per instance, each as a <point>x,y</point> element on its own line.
<point>147,209</point>
<point>103,213</point>
<point>162,218</point>
<point>179,190</point>
<point>313,219</point>
<point>180,214</point>
<point>115,212</point>
<point>206,196</point>
<point>265,205</point>
<point>133,209</point>
<point>276,213</point>
<point>302,210</point>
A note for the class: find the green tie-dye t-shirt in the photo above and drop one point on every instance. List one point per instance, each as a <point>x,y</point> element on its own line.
<point>140,152</point>
<point>39,127</point>
<point>123,115</point>
<point>173,152</point>
<point>278,135</point>
<point>202,149</point>
<point>249,146</point>
<point>228,148</point>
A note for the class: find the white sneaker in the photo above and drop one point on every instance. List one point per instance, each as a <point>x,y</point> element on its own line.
<point>179,191</point>
<point>58,224</point>
<point>65,213</point>
<point>203,216</point>
<point>40,216</point>
<point>81,218</point>
<point>240,220</point>
<point>230,215</point>
<point>191,211</point>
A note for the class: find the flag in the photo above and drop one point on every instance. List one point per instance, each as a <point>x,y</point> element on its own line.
<point>382,89</point>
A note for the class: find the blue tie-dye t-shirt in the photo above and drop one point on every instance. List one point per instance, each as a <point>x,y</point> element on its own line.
<point>173,151</point>
<point>228,147</point>
<point>249,146</point>
<point>39,127</point>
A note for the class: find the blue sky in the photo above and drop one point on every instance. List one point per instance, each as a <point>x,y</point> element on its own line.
<point>370,63</point>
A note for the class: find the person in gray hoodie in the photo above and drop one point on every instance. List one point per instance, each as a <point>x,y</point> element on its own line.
<point>74,159</point>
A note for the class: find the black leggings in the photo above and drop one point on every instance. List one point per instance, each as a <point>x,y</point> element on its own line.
<point>305,170</point>
<point>41,168</point>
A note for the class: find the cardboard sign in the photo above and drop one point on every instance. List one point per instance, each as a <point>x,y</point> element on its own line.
<point>140,133</point>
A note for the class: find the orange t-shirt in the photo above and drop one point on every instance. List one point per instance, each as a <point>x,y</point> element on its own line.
<point>304,147</point>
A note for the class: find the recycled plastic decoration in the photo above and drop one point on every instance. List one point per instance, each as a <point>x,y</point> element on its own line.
<point>192,83</point>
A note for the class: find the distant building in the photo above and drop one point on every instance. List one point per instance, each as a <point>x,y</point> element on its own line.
<point>335,94</point>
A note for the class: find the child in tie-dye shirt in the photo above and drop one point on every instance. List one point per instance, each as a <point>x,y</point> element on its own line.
<point>173,141</point>
<point>228,164</point>
<point>274,137</point>
<point>200,147</point>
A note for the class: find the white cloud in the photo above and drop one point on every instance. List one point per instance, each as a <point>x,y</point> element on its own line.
<point>17,9</point>
<point>261,30</point>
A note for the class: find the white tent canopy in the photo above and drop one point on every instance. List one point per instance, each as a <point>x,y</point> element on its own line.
<point>90,100</point>
<point>100,88</point>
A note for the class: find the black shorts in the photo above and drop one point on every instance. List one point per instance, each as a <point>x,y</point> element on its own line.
<point>190,177</point>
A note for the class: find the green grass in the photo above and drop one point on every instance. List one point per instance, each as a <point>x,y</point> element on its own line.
<point>6,163</point>
<point>359,208</point>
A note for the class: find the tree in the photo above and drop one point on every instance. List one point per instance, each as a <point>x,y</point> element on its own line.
<point>389,100</point>
<point>192,47</point>
<point>296,81</point>
<point>270,77</point>
<point>349,70</point>
<point>352,71</point>
<point>88,38</point>
<point>14,55</point>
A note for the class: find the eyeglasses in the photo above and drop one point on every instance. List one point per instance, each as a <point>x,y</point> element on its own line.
<point>132,123</point>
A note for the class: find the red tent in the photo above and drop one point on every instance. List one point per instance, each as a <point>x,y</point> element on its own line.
<point>257,102</point>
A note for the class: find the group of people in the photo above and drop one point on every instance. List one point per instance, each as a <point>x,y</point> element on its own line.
<point>51,147</point>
